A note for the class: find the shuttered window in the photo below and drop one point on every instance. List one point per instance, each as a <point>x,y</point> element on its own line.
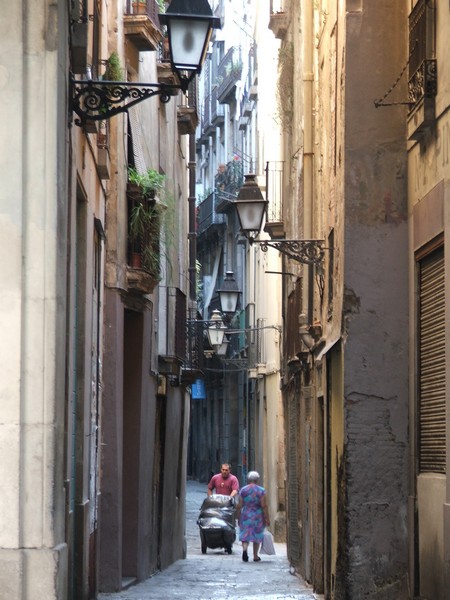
<point>432,363</point>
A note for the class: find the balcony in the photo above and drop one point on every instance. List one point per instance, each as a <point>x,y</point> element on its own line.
<point>422,85</point>
<point>228,183</point>
<point>207,215</point>
<point>229,73</point>
<point>217,110</point>
<point>172,350</point>
<point>187,113</point>
<point>422,89</point>
<point>141,24</point>
<point>207,126</point>
<point>274,193</point>
<point>192,368</point>
<point>243,123</point>
<point>144,222</point>
<point>279,19</point>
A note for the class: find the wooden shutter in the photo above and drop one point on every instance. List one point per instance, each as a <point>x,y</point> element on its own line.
<point>432,363</point>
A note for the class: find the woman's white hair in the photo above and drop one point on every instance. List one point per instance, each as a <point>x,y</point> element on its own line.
<point>253,476</point>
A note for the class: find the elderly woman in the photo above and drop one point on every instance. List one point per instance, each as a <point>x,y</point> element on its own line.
<point>253,515</point>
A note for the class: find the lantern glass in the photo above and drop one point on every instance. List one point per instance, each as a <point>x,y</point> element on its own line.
<point>228,294</point>
<point>216,329</point>
<point>251,214</point>
<point>228,301</point>
<point>189,39</point>
<point>250,205</point>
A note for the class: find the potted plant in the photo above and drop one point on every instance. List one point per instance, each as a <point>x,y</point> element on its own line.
<point>148,185</point>
<point>152,225</point>
<point>144,227</point>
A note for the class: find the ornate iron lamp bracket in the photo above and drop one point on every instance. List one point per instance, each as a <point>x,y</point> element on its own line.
<point>100,100</point>
<point>308,252</point>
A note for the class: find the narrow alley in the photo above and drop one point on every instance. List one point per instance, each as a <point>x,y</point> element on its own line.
<point>217,575</point>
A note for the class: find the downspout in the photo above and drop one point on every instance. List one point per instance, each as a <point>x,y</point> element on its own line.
<point>308,151</point>
<point>192,234</point>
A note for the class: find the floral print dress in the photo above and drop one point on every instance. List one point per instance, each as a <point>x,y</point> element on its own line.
<point>251,521</point>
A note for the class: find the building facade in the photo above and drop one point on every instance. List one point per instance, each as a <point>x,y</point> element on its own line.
<point>95,409</point>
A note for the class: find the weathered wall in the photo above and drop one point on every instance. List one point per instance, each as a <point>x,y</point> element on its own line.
<point>375,301</point>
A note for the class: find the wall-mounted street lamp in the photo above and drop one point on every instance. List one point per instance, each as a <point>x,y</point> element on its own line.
<point>228,294</point>
<point>189,27</point>
<point>251,208</point>
<point>216,329</point>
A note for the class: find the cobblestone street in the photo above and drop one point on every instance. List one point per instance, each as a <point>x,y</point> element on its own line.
<point>217,575</point>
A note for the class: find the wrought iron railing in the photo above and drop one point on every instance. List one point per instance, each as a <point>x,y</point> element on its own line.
<point>229,73</point>
<point>423,84</point>
<point>217,110</point>
<point>207,215</point>
<point>229,179</point>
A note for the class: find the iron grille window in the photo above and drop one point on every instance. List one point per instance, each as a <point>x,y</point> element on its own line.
<point>431,356</point>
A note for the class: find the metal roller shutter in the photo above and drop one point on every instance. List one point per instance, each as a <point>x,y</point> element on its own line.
<point>293,492</point>
<point>432,363</point>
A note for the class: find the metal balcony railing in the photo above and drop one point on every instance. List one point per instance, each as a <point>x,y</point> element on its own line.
<point>423,83</point>
<point>207,215</point>
<point>195,345</point>
<point>230,179</point>
<point>229,73</point>
<point>206,117</point>
<point>217,110</point>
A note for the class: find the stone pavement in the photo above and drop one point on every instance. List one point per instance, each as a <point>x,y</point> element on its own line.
<point>217,575</point>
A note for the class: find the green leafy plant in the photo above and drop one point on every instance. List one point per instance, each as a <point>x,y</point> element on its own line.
<point>114,70</point>
<point>152,223</point>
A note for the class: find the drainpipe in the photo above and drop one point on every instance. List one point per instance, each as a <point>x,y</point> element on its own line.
<point>308,153</point>
<point>192,234</point>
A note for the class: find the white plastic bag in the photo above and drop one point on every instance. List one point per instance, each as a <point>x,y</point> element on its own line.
<point>267,546</point>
